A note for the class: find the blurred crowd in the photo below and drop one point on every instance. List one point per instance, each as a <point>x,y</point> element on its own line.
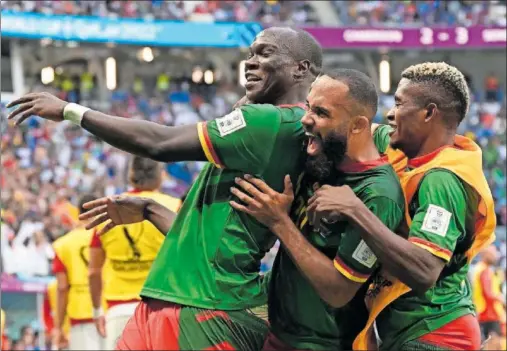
<point>350,13</point>
<point>268,11</point>
<point>418,13</point>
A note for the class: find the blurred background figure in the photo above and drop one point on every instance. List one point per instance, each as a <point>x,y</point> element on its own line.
<point>129,250</point>
<point>489,300</point>
<point>136,69</point>
<point>73,302</point>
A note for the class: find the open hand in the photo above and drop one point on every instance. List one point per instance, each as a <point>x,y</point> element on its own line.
<point>331,203</point>
<point>116,210</point>
<point>44,105</point>
<point>263,203</point>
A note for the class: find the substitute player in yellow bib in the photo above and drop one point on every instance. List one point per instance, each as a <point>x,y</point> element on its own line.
<point>131,250</point>
<point>73,297</point>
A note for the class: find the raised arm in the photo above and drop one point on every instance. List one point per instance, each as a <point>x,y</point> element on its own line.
<point>139,137</point>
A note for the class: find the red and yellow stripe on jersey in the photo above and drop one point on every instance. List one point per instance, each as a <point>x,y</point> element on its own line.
<point>349,272</point>
<point>433,248</point>
<point>207,145</point>
<point>130,251</point>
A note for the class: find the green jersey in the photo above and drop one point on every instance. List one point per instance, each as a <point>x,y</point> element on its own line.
<point>297,314</point>
<point>211,256</point>
<point>443,222</point>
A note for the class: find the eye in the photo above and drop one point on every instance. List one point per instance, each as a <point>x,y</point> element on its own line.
<point>266,53</point>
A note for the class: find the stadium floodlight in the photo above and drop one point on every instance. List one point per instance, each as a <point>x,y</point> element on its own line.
<point>209,77</point>
<point>241,72</point>
<point>147,54</point>
<point>47,75</point>
<point>197,75</point>
<point>385,76</point>
<point>111,73</point>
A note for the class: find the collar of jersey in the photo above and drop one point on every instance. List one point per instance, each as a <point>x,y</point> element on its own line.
<point>422,160</point>
<point>299,104</point>
<point>358,167</point>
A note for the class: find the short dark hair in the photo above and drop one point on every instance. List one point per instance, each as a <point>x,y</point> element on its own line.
<point>144,171</point>
<point>361,88</point>
<point>445,85</point>
<point>301,46</point>
<point>84,199</point>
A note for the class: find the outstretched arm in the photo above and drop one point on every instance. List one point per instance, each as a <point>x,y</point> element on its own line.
<point>143,138</point>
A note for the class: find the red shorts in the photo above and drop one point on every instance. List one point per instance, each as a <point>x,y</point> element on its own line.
<point>159,325</point>
<point>463,333</point>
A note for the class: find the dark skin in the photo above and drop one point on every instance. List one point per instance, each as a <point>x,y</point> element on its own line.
<point>272,77</point>
<point>329,109</point>
<point>419,130</point>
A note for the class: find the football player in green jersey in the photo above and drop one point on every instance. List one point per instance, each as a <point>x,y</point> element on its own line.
<point>421,299</point>
<point>206,279</point>
<point>317,284</point>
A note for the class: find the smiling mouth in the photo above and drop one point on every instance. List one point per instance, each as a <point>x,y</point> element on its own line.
<point>250,78</point>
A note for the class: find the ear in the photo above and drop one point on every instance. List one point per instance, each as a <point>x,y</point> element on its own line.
<point>302,69</point>
<point>360,124</point>
<point>431,111</point>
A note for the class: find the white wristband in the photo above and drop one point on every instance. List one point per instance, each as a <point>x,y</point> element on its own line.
<point>97,312</point>
<point>74,113</point>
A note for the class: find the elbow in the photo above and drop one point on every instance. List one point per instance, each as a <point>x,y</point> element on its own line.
<point>63,289</point>
<point>338,298</point>
<point>423,283</point>
<point>94,273</point>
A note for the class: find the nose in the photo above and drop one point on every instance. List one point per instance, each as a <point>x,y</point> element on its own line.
<point>251,63</point>
<point>390,115</point>
<point>307,120</point>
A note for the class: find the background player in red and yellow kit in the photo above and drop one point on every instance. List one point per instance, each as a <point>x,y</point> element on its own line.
<point>321,267</point>
<point>130,251</point>
<point>206,277</point>
<point>70,266</point>
<point>422,297</point>
<point>488,300</point>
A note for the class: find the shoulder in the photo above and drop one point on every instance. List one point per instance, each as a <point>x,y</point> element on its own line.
<point>385,184</point>
<point>442,180</point>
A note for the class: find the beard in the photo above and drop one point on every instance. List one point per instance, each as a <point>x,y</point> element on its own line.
<point>323,167</point>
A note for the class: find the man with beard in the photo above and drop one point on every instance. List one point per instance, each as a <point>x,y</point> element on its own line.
<point>313,297</point>
<point>203,299</point>
<point>421,299</point>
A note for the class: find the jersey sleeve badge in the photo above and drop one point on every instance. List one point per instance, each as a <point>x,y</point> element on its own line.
<point>230,123</point>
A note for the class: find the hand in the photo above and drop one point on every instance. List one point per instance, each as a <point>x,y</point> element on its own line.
<point>58,339</point>
<point>116,210</point>
<point>331,202</point>
<point>266,205</point>
<point>43,105</point>
<point>100,324</point>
